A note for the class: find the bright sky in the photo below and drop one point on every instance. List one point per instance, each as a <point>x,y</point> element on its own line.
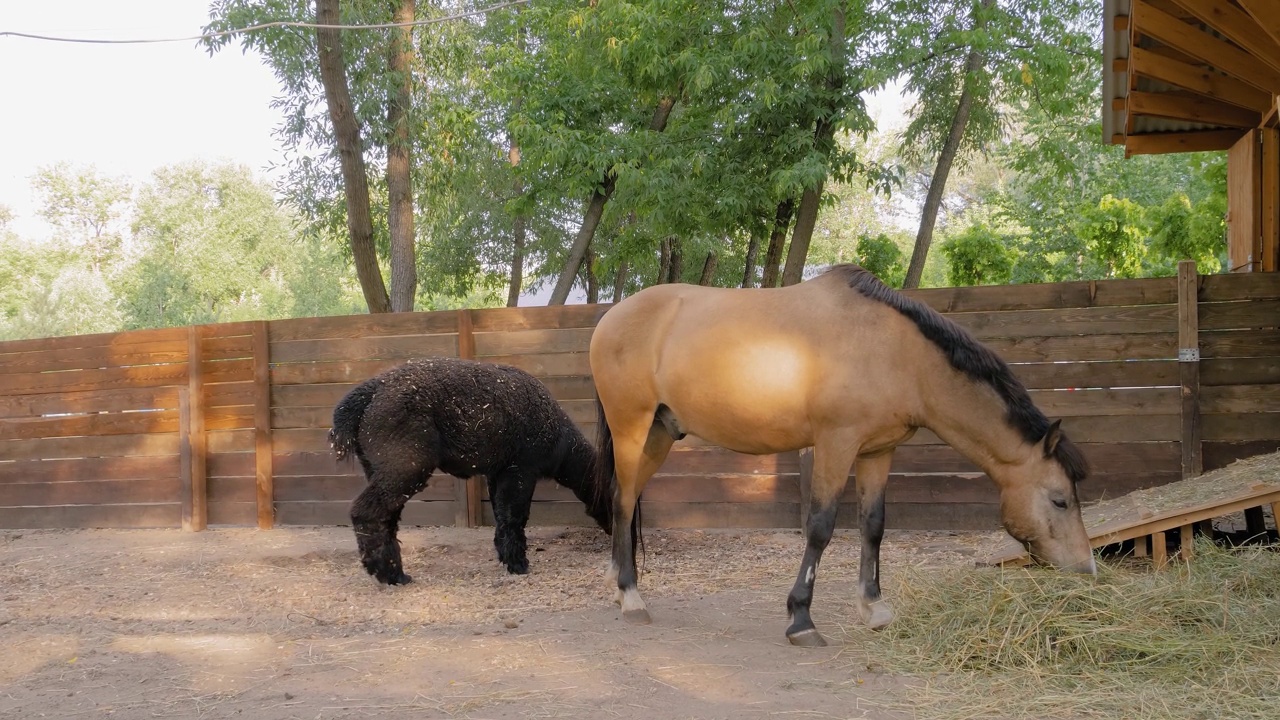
<point>126,109</point>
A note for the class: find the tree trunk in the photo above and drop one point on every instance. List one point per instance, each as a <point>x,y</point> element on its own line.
<point>619,281</point>
<point>593,284</point>
<point>595,210</point>
<point>777,239</point>
<point>824,141</point>
<point>709,269</point>
<point>404,269</point>
<point>517,264</point>
<point>676,271</point>
<point>346,131</point>
<point>806,220</point>
<point>664,261</point>
<point>753,251</point>
<point>938,183</point>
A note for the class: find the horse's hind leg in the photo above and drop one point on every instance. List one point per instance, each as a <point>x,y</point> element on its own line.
<point>831,463</point>
<point>512,493</point>
<point>637,456</point>
<point>872,476</point>
<point>375,517</point>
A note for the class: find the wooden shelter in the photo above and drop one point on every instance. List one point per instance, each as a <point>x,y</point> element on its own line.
<point>1196,75</point>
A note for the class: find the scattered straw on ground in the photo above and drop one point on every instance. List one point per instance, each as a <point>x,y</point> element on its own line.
<point>1194,641</point>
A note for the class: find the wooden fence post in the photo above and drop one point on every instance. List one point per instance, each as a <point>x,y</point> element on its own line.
<point>1189,367</point>
<point>468,504</point>
<point>262,426</point>
<point>195,511</point>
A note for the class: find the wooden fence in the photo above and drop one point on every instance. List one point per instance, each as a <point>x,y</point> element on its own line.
<point>227,424</point>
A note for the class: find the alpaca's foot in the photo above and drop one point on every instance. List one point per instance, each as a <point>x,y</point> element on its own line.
<point>518,567</point>
<point>388,575</point>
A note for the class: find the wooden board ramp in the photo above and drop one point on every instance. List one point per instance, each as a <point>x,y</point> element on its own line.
<point>1145,516</point>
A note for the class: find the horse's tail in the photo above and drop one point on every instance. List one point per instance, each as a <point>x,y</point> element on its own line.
<point>344,438</point>
<point>606,475</point>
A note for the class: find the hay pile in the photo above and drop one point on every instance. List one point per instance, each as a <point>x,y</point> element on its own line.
<point>1194,641</point>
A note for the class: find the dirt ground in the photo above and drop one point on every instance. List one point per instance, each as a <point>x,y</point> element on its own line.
<point>241,623</point>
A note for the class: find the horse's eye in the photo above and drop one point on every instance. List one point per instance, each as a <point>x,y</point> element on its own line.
<point>1060,504</point>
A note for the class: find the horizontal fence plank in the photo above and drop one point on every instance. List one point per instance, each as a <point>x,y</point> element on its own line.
<point>1221,454</point>
<point>402,348</point>
<point>231,464</point>
<point>95,468</point>
<point>544,317</point>
<point>334,372</point>
<point>233,513</point>
<point>118,423</point>
<point>1132,401</point>
<point>228,371</point>
<point>547,365</point>
<point>361,326</point>
<point>157,352</point>
<point>1240,343</point>
<point>118,339</point>
<point>92,516</point>
<point>86,380</point>
<point>339,513</point>
<point>1241,427</point>
<point>1117,320</point>
<point>1240,399</point>
<point>226,394</point>
<point>230,441</point>
<point>1154,346</point>
<point>1239,286</point>
<point>154,444</point>
<point>18,406</point>
<point>232,489</point>
<point>1240,371</point>
<point>1121,373</point>
<point>1246,314</point>
<point>314,395</point>
<point>90,492</point>
<point>1049,295</point>
<point>228,417</point>
<point>227,347</point>
<point>521,342</point>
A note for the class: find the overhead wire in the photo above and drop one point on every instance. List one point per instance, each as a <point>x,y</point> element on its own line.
<point>264,26</point>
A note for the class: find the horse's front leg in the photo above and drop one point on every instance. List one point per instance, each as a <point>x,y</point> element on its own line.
<point>872,475</point>
<point>831,463</point>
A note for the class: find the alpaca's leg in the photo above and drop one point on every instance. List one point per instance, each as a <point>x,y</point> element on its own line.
<point>375,516</point>
<point>512,498</point>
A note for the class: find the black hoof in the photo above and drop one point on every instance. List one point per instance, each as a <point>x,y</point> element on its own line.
<point>519,567</point>
<point>402,580</point>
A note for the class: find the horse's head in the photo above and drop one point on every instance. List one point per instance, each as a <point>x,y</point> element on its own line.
<point>1039,506</point>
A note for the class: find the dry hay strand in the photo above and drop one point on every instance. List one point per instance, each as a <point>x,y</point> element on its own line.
<point>1196,641</point>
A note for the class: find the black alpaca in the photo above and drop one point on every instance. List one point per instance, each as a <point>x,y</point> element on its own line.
<point>464,418</point>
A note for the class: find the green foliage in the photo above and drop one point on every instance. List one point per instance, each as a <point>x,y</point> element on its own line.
<point>979,255</point>
<point>85,208</point>
<point>882,256</point>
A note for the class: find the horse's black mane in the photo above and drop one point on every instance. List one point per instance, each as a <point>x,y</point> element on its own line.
<point>973,359</point>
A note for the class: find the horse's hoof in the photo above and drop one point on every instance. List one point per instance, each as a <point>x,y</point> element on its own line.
<point>876,615</point>
<point>807,638</point>
<point>637,617</point>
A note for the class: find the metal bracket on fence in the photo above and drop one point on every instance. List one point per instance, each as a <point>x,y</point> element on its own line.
<point>1189,355</point>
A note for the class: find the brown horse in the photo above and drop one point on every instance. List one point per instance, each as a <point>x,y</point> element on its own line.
<point>843,364</point>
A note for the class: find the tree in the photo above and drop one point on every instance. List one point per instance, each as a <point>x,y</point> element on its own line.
<point>85,208</point>
<point>346,132</point>
<point>404,262</point>
<point>1114,236</point>
<point>979,255</point>
<point>1024,51</point>
<point>882,256</point>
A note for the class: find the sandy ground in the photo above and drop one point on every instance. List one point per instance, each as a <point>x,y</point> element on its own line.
<point>239,623</point>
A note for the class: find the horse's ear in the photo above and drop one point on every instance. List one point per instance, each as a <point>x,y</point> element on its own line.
<point>1052,437</point>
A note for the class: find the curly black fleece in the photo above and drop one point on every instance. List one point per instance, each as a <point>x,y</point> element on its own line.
<point>464,418</point>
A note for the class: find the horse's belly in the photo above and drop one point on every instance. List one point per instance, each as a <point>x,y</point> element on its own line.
<point>756,401</point>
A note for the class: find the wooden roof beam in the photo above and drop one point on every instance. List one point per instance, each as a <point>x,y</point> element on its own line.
<point>1266,13</point>
<point>1196,78</point>
<point>1237,26</point>
<point>1150,21</point>
<point>1180,142</point>
<point>1192,108</point>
